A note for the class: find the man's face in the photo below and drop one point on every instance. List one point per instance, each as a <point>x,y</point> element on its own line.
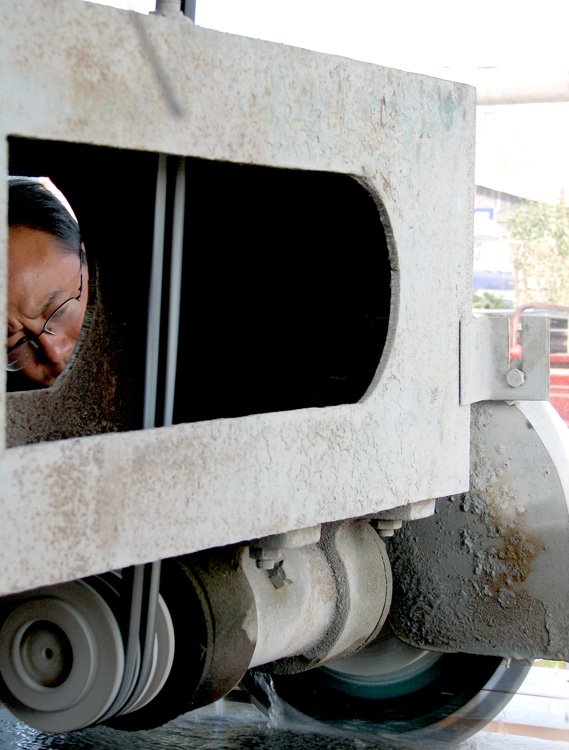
<point>41,277</point>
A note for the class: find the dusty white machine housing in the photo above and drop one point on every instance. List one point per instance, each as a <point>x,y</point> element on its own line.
<point>79,72</point>
<point>271,517</point>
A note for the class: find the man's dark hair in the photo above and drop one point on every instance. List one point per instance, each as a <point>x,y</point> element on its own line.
<point>32,205</point>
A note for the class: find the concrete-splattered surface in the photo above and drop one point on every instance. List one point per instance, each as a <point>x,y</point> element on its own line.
<point>79,72</point>
<point>488,573</point>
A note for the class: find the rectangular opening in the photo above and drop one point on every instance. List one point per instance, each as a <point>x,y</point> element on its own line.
<point>285,291</point>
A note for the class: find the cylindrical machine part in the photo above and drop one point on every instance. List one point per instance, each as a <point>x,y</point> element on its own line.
<point>61,657</point>
<point>291,618</point>
<point>366,589</point>
<point>62,649</point>
<point>168,8</point>
<point>335,598</point>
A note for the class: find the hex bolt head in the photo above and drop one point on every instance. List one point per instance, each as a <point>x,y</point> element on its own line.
<point>278,577</point>
<point>515,377</point>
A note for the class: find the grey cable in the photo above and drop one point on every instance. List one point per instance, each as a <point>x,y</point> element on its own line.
<point>155,298</point>
<point>131,656</point>
<point>136,673</point>
<point>148,649</point>
<point>175,291</point>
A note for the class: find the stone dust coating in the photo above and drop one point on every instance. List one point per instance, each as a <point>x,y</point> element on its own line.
<point>79,72</point>
<point>487,574</point>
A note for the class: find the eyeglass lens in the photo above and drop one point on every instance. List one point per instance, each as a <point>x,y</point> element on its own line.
<point>64,317</point>
<point>58,322</point>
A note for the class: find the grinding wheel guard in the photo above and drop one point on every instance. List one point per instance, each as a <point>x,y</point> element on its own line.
<point>487,574</point>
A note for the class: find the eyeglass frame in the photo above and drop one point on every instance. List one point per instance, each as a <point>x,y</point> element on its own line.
<point>32,338</point>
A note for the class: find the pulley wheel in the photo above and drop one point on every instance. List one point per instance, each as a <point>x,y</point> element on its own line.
<point>212,646</point>
<point>61,657</point>
<point>181,620</point>
<point>163,656</point>
<point>111,586</point>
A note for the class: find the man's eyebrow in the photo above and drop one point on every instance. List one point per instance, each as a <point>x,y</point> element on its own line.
<point>49,301</point>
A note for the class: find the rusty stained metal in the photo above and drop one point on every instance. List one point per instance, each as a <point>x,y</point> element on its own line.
<point>487,573</point>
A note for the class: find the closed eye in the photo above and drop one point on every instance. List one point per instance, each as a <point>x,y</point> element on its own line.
<point>14,336</point>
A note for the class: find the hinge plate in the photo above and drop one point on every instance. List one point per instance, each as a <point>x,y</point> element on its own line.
<point>486,373</point>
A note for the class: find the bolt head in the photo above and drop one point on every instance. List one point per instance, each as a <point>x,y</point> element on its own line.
<point>515,377</point>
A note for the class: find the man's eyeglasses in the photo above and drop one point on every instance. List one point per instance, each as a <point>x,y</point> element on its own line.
<point>61,320</point>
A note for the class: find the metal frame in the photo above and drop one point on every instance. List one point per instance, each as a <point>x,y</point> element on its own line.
<point>81,506</point>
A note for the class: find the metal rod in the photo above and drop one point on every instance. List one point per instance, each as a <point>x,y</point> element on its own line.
<point>168,7</point>
<point>155,299</point>
<point>189,8</point>
<point>175,291</point>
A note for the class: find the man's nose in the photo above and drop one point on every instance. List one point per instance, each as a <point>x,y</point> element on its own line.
<point>57,348</point>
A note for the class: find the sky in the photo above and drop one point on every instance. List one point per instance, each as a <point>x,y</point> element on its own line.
<point>521,149</point>
<point>407,34</point>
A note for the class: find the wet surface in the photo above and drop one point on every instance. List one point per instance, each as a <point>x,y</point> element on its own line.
<point>235,726</point>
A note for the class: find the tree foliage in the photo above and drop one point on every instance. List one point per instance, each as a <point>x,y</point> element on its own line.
<point>540,241</point>
<point>489,301</point>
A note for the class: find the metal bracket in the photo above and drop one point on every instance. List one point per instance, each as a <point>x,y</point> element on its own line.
<point>486,373</point>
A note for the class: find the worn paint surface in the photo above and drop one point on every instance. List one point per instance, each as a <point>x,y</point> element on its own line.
<point>488,573</point>
<point>83,73</point>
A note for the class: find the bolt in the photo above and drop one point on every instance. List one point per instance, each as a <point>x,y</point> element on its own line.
<point>386,527</point>
<point>515,377</point>
<point>278,577</point>
<point>266,559</point>
<point>266,564</point>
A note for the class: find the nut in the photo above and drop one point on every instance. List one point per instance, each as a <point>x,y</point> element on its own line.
<point>278,577</point>
<point>386,527</point>
<point>266,559</point>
